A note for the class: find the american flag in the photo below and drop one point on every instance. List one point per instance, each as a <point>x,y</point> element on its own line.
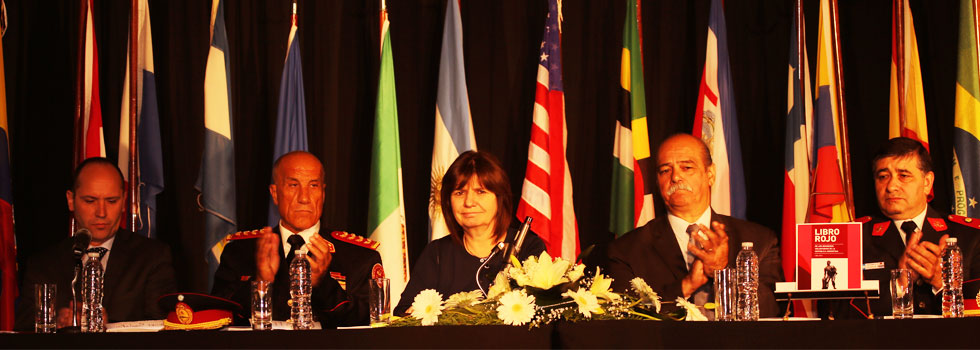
<point>547,192</point>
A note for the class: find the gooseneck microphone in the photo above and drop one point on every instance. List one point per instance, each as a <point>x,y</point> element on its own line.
<point>496,249</point>
<point>514,247</point>
<point>79,243</point>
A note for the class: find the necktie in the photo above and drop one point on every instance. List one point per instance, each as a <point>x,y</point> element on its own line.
<point>909,227</point>
<point>102,251</point>
<point>295,242</point>
<point>691,229</point>
<point>701,295</point>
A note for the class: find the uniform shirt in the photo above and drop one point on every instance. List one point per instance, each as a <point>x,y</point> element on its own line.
<point>306,234</point>
<point>918,220</point>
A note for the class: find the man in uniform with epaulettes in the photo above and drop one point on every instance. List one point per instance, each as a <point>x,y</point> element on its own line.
<point>909,234</point>
<point>341,263</point>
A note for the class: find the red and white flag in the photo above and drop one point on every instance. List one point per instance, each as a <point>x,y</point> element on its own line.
<point>93,144</point>
<point>547,192</point>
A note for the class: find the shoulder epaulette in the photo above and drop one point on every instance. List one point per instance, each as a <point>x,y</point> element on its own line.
<point>966,221</point>
<point>863,219</point>
<point>244,235</point>
<point>355,239</point>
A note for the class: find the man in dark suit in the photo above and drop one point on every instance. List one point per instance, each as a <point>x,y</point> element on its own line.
<point>342,264</point>
<point>909,234</point>
<point>677,254</point>
<point>138,270</point>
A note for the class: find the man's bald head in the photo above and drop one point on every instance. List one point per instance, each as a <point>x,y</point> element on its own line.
<point>689,140</point>
<point>295,158</point>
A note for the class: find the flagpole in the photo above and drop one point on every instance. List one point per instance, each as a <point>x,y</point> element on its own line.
<point>134,208</point>
<point>842,113</point>
<point>79,93</point>
<point>898,17</point>
<point>800,47</point>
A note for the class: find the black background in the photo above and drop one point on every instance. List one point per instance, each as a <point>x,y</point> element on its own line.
<point>339,43</point>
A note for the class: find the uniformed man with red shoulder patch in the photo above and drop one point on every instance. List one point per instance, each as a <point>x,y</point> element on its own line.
<point>909,233</point>
<point>341,263</point>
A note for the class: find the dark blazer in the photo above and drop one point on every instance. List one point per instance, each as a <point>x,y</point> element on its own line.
<point>341,298</point>
<point>138,272</point>
<point>448,268</point>
<point>887,247</point>
<point>652,253</point>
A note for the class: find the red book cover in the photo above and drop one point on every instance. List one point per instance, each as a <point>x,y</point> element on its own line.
<point>828,256</point>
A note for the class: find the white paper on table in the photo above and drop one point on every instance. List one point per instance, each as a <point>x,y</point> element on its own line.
<point>135,326</point>
<point>276,326</point>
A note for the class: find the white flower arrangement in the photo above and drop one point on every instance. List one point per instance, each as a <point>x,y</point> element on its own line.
<point>427,307</point>
<point>647,295</point>
<point>516,308</point>
<point>541,290</point>
<point>587,302</point>
<point>693,314</point>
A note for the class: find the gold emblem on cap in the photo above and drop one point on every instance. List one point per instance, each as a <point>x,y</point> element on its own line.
<point>184,312</point>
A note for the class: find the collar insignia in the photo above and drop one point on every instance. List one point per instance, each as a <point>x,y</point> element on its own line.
<point>938,224</point>
<point>880,228</point>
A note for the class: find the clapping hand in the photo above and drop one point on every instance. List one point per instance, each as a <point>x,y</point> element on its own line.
<point>711,248</point>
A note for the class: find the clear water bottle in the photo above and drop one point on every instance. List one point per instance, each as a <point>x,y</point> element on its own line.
<point>300,289</point>
<point>952,267</point>
<point>92,318</point>
<point>747,264</point>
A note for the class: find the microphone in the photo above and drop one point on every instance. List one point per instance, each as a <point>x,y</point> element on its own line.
<point>80,242</point>
<point>514,248</point>
<point>496,249</point>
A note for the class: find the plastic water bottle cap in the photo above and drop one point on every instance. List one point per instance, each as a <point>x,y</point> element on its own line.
<point>951,240</point>
<point>93,255</point>
<point>301,250</point>
<point>746,245</point>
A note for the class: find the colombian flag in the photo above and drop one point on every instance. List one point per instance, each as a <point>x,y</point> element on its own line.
<point>829,200</point>
<point>966,131</point>
<point>907,108</point>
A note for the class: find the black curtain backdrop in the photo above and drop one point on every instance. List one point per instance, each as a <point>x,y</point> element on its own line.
<point>501,40</point>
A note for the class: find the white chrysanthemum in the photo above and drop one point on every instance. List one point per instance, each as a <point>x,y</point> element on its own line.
<point>647,295</point>
<point>501,285</point>
<point>427,307</point>
<point>516,308</point>
<point>464,299</point>
<point>693,314</point>
<point>587,302</point>
<point>601,286</point>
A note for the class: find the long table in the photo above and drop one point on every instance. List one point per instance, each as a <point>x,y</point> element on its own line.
<point>915,333</point>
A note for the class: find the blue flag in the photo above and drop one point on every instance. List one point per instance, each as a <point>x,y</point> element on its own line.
<point>217,178</point>
<point>291,119</point>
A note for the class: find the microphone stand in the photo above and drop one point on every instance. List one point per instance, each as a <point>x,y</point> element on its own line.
<point>74,293</point>
<point>74,328</point>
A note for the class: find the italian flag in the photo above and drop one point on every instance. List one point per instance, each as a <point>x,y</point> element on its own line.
<point>386,210</point>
